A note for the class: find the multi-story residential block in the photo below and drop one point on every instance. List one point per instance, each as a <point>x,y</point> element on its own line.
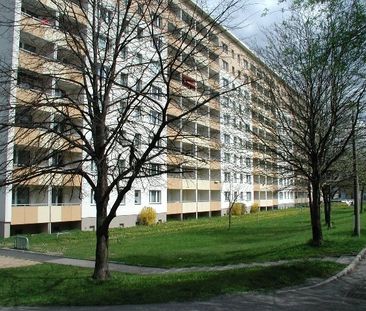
<point>212,155</point>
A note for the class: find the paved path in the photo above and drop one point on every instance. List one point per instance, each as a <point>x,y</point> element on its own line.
<point>338,294</point>
<point>39,257</point>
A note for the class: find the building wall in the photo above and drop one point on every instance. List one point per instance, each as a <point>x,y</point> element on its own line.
<point>203,188</point>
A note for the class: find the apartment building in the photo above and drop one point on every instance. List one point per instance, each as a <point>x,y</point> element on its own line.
<point>213,156</point>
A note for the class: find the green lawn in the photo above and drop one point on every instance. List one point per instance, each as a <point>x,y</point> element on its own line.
<point>267,236</point>
<point>48,284</point>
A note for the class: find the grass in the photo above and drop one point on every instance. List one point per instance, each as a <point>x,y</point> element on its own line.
<point>48,284</point>
<point>268,236</point>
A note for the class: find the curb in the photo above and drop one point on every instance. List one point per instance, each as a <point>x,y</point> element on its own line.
<point>345,271</point>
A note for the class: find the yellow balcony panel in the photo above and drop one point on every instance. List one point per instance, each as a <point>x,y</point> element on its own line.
<point>203,184</point>
<point>203,206</point>
<point>190,207</point>
<point>189,184</point>
<point>30,137</point>
<point>28,96</point>
<point>24,215</point>
<point>215,206</point>
<point>175,159</point>
<point>34,62</point>
<point>71,212</point>
<point>215,185</point>
<point>215,165</point>
<point>174,110</point>
<point>39,28</point>
<point>174,208</point>
<point>174,183</point>
<point>55,213</point>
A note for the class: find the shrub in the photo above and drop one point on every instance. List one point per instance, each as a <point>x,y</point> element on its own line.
<point>238,209</point>
<point>147,216</point>
<point>254,208</point>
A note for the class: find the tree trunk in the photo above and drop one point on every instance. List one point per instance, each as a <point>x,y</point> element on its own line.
<point>327,205</point>
<point>230,210</point>
<point>315,213</point>
<point>356,194</point>
<point>361,198</point>
<point>101,270</point>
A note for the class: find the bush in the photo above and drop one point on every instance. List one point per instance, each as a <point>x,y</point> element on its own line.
<point>238,209</point>
<point>254,208</point>
<point>147,216</point>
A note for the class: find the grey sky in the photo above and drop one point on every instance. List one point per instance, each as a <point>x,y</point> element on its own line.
<point>254,21</point>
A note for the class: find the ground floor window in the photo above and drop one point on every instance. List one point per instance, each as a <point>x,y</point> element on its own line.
<point>155,196</point>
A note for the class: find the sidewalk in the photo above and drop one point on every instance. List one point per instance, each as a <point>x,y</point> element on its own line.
<point>345,291</point>
<point>39,257</point>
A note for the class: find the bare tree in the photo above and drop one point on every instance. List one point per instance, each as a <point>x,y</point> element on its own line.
<point>318,53</point>
<point>107,92</point>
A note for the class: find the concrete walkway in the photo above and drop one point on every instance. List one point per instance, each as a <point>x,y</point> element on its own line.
<point>345,291</point>
<point>40,257</point>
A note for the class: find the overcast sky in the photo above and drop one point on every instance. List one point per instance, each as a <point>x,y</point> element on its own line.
<point>253,21</point>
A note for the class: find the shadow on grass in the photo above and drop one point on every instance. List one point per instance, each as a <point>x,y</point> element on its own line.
<point>63,285</point>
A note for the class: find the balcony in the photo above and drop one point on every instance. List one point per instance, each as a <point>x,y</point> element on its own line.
<point>35,214</point>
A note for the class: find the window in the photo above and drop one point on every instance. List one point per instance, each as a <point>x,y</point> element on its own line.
<point>21,196</point>
<point>140,9</point>
<point>226,177</point>
<point>241,195</point>
<point>248,179</point>
<point>156,42</point>
<point>102,70</point>
<point>121,165</point>
<point>57,196</point>
<point>22,157</point>
<point>232,53</point>
<point>241,178</point>
<point>92,201</point>
<point>102,42</point>
<point>137,197</point>
<point>225,65</point>
<point>58,159</point>
<point>226,119</point>
<point>124,52</point>
<point>249,196</point>
<point>93,166</point>
<point>23,116</point>
<point>235,175</point>
<point>155,117</point>
<point>105,15</point>
<point>156,92</point>
<point>138,85</point>
<point>124,79</point>
<point>226,139</point>
<point>225,48</point>
<point>225,102</point>
<point>137,141</point>
<point>155,196</point>
<point>137,113</point>
<point>226,157</point>
<point>248,162</point>
<point>140,32</point>
<point>225,82</point>
<point>27,47</point>
<point>155,168</point>
<point>139,58</point>
<point>156,21</point>
<point>227,196</point>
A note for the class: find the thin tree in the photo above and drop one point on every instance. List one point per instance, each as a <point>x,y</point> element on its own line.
<point>319,54</point>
